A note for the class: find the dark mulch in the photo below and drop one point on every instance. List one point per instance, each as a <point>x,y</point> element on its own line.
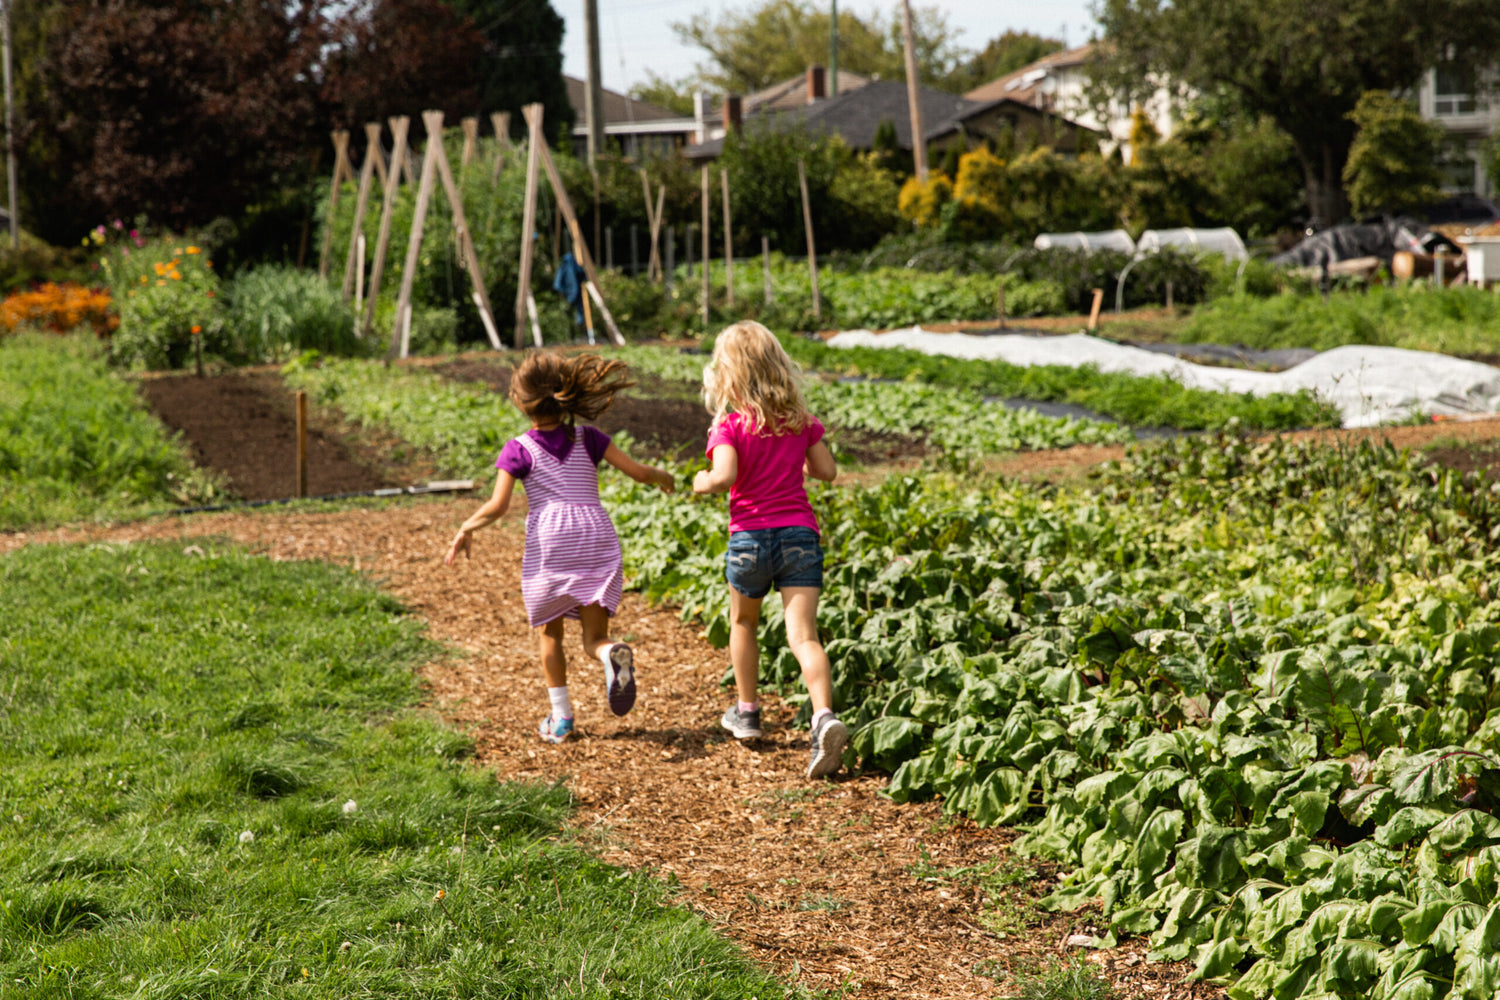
<point>669,421</point>
<point>244,426</point>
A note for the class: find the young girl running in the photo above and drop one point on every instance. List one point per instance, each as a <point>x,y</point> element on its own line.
<point>572,567</point>
<point>763,441</point>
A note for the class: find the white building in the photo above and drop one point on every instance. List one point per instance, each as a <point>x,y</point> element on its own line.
<point>1470,112</point>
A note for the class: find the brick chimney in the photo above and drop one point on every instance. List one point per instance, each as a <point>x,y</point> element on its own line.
<point>816,84</point>
<point>733,116</point>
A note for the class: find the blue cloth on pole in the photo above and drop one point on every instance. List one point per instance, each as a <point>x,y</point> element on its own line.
<point>569,282</point>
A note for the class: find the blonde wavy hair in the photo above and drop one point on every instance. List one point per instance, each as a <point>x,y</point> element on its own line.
<point>750,373</point>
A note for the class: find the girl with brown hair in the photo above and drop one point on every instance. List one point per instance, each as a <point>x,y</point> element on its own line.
<point>572,567</point>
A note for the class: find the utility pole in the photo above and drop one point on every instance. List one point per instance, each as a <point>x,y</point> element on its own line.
<point>594,95</point>
<point>833,51</point>
<point>914,96</point>
<point>10,132</point>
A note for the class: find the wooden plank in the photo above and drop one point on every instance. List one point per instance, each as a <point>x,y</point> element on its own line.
<point>812,249</point>
<point>581,249</point>
<point>401,330</point>
<point>399,128</point>
<point>434,122</point>
<point>340,168</point>
<point>528,226</point>
<point>361,205</point>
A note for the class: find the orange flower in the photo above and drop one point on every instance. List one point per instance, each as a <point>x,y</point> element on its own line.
<point>192,250</point>
<point>161,281</point>
<point>197,329</point>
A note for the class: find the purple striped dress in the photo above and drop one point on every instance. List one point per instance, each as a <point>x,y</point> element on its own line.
<point>572,552</point>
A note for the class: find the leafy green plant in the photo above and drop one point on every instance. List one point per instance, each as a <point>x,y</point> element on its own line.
<point>1073,979</point>
<point>276,312</point>
<point>167,294</point>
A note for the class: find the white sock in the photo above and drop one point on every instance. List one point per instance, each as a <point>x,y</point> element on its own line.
<point>562,705</point>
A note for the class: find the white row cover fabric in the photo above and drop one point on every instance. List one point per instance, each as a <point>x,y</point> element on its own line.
<point>1222,241</point>
<point>1369,385</point>
<point>1111,239</point>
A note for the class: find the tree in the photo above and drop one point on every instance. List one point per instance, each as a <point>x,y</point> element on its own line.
<point>1001,55</point>
<point>1302,64</point>
<point>1393,162</point>
<point>521,62</point>
<point>401,57</point>
<point>781,38</point>
<point>664,93</point>
<point>182,110</point>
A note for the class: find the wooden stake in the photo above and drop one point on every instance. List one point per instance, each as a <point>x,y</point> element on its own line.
<point>399,128</point>
<point>359,282</point>
<point>597,213</point>
<point>379,158</point>
<point>588,319</point>
<point>471,138</point>
<point>1094,310</point>
<point>434,122</point>
<point>301,444</point>
<point>361,203</point>
<point>580,248</point>
<point>728,243</point>
<point>653,222</point>
<point>812,250</point>
<point>1000,306</point>
<point>340,168</point>
<point>500,121</point>
<point>765,262</point>
<point>528,227</point>
<point>400,332</point>
<point>706,287</point>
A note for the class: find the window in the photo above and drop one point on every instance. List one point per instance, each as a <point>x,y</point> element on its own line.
<point>1454,92</point>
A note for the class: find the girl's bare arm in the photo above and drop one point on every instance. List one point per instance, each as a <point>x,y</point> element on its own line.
<point>640,473</point>
<point>493,509</point>
<point>819,463</point>
<point>720,478</point>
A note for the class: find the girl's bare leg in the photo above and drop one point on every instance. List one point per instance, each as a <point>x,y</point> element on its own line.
<point>554,661</point>
<point>744,648</point>
<point>801,612</point>
<point>595,622</point>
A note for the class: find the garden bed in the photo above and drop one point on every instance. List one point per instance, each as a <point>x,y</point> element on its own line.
<point>244,427</point>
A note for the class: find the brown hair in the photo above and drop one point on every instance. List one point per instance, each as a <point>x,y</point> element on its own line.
<point>751,372</point>
<point>549,386</point>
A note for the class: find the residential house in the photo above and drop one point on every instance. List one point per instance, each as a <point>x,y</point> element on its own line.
<point>1468,108</point>
<point>639,128</point>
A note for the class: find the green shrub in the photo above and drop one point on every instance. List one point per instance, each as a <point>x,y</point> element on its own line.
<point>277,312</point>
<point>167,293</point>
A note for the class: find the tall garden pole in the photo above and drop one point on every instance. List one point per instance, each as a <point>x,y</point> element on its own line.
<point>812,250</point>
<point>361,204</point>
<point>340,171</point>
<point>479,292</point>
<point>525,305</point>
<point>705,247</point>
<point>914,95</point>
<point>10,131</point>
<point>728,242</point>
<point>401,332</point>
<point>399,128</point>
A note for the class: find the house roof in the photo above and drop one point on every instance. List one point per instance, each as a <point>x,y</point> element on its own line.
<point>856,114</point>
<point>619,109</point>
<point>792,93</point>
<point>1021,85</point>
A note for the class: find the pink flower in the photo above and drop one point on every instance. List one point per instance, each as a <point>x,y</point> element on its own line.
<point>119,224</point>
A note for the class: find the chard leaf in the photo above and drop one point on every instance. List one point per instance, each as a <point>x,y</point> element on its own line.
<point>1407,824</point>
<point>1465,829</point>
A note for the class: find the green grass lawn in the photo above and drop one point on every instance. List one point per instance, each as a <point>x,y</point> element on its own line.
<point>215,785</point>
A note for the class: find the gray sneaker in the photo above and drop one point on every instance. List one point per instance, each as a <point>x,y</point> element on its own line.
<point>829,738</point>
<point>744,725</point>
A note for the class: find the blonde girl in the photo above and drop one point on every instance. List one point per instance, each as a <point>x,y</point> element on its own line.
<point>762,443</point>
<point>572,567</point>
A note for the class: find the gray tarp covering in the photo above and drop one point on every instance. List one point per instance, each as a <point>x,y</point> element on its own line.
<point>1364,239</point>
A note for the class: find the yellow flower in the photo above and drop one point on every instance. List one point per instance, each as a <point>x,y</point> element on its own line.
<point>143,279</point>
<point>177,252</point>
<point>161,281</point>
<point>192,250</point>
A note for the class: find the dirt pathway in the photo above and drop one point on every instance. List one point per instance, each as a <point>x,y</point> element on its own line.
<point>825,882</point>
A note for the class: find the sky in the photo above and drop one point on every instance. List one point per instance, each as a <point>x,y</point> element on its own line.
<point>636,36</point>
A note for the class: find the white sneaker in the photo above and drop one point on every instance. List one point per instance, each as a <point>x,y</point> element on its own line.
<point>829,737</point>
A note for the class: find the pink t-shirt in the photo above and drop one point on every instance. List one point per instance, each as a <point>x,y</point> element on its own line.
<point>769,491</point>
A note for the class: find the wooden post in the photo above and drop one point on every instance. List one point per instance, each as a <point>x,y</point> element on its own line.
<point>301,443</point>
<point>400,331</point>
<point>588,319</point>
<point>399,127</point>
<point>706,287</point>
<point>528,225</point>
<point>598,221</point>
<point>581,249</point>
<point>198,350</point>
<point>728,242</point>
<point>913,95</point>
<point>671,264</point>
<point>653,259</point>
<point>434,122</point>
<point>812,249</point>
<point>340,169</point>
<point>1169,295</point>
<point>471,138</point>
<point>500,122</point>
<point>1094,310</point>
<point>1000,306</point>
<point>765,263</point>
<point>361,204</point>
<point>359,282</point>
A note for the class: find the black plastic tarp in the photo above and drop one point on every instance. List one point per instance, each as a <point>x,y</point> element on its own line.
<point>1365,239</point>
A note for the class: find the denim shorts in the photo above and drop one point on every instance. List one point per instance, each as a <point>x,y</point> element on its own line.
<point>780,557</point>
